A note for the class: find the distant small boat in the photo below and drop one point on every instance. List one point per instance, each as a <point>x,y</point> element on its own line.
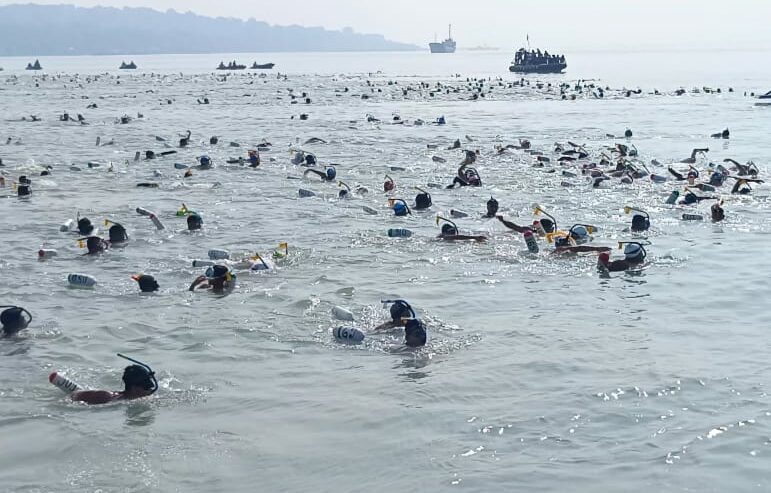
<point>231,66</point>
<point>35,66</point>
<point>765,96</point>
<point>128,66</point>
<point>264,66</point>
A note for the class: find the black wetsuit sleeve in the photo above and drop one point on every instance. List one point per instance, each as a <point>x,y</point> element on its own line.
<point>674,173</point>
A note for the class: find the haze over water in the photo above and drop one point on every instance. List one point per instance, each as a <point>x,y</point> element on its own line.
<point>539,373</point>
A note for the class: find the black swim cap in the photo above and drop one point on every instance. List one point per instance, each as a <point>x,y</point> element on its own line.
<point>118,233</point>
<point>13,320</point>
<point>194,221</point>
<point>415,333</point>
<point>547,225</point>
<point>138,376</point>
<point>399,310</point>
<point>147,284</point>
<point>423,201</point>
<point>84,226</point>
<point>94,244</point>
<point>640,223</point>
<point>492,206</point>
<point>449,229</point>
<point>218,271</point>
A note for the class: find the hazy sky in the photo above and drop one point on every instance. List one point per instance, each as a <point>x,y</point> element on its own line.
<point>556,25</point>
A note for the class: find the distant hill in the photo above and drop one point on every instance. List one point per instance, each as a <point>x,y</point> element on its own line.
<point>39,30</point>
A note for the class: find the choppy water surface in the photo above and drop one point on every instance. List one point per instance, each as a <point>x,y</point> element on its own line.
<point>538,370</point>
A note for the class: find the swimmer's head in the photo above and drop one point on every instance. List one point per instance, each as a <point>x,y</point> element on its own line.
<point>342,194</point>
<point>194,222</point>
<point>718,214</point>
<point>118,233</point>
<point>14,319</point>
<point>331,173</point>
<point>205,160</point>
<point>400,208</point>
<point>640,223</point>
<point>399,310</point>
<point>147,283</point>
<point>138,376</point>
<point>547,225</point>
<point>388,185</point>
<point>492,207</point>
<point>415,333</point>
<point>634,252</point>
<point>95,244</point>
<point>84,226</point>
<point>449,230</point>
<point>423,201</point>
<point>579,234</point>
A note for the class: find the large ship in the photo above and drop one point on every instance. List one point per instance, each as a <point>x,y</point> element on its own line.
<point>446,46</point>
<point>535,62</point>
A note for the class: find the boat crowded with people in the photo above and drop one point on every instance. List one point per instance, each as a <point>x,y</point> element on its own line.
<point>128,66</point>
<point>231,66</point>
<point>535,62</point>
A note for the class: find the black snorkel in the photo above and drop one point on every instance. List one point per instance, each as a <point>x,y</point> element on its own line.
<point>149,371</point>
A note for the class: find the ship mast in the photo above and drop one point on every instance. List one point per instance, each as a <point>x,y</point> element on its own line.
<point>450,32</point>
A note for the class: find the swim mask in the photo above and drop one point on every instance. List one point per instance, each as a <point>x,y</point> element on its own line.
<point>147,283</point>
<point>449,230</point>
<point>400,309</point>
<point>139,376</point>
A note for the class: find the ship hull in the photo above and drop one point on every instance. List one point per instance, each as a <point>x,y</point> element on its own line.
<point>441,48</point>
<point>551,68</point>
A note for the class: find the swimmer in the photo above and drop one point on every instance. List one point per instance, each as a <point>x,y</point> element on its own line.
<point>742,185</point>
<point>514,226</point>
<point>389,185</point>
<point>467,177</point>
<point>718,214</point>
<point>691,198</point>
<point>138,379</point>
<point>640,222</point>
<point>450,232</point>
<point>492,208</point>
<point>116,232</point>
<point>694,153</point>
<point>147,283</point>
<point>328,175</point>
<point>14,319</point>
<point>400,207</point>
<point>254,159</point>
<point>574,241</point>
<point>749,169</point>
<point>725,134</point>
<point>194,221</point>
<point>422,200</point>
<point>94,244</point>
<point>402,314</point>
<point>634,255</point>
<point>218,279</point>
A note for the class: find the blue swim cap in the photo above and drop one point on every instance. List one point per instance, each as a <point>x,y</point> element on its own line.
<point>400,209</point>
<point>579,234</point>
<point>331,173</point>
<point>205,160</point>
<point>632,251</point>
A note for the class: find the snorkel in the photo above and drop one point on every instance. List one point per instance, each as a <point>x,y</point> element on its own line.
<point>343,193</point>
<point>149,370</point>
<point>537,212</point>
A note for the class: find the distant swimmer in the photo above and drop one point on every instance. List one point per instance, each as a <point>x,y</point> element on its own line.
<point>327,175</point>
<point>117,233</point>
<point>194,221</point>
<point>725,134</point>
<point>14,319</point>
<point>147,283</point>
<point>575,241</point>
<point>138,379</point>
<point>492,208</point>
<point>399,207</point>
<point>467,177</point>
<point>254,158</point>
<point>694,153</point>
<point>94,244</point>
<point>718,214</point>
<point>742,185</point>
<point>402,314</point>
<point>450,232</point>
<point>389,185</point>
<point>749,169</point>
<point>634,256</point>
<point>691,198</point>
<point>422,200</point>
<point>218,279</point>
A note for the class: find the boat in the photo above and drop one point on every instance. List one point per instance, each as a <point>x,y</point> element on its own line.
<point>535,62</point>
<point>231,66</point>
<point>128,66</point>
<point>764,99</point>
<point>263,66</point>
<point>446,46</point>
<point>765,96</point>
<point>35,66</point>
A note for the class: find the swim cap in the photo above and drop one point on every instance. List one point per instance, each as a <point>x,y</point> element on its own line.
<point>388,186</point>
<point>690,198</point>
<point>400,309</point>
<point>492,206</point>
<point>310,159</point>
<point>118,233</point>
<point>147,284</point>
<point>547,225</point>
<point>633,251</point>
<point>342,194</point>
<point>415,333</point>
<point>13,320</point>
<point>423,201</point>
<point>205,160</point>
<point>579,234</point>
<point>640,223</point>
<point>331,173</point>
<point>717,179</point>
<point>84,226</point>
<point>137,376</point>
<point>217,271</point>
<point>194,222</point>
<point>400,209</point>
<point>449,230</point>
<point>95,244</point>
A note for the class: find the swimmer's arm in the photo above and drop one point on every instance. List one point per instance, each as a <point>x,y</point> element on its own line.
<point>386,326</point>
<point>467,237</point>
<point>581,249</point>
<point>196,283</point>
<point>675,173</point>
<point>93,396</point>
<point>515,227</point>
